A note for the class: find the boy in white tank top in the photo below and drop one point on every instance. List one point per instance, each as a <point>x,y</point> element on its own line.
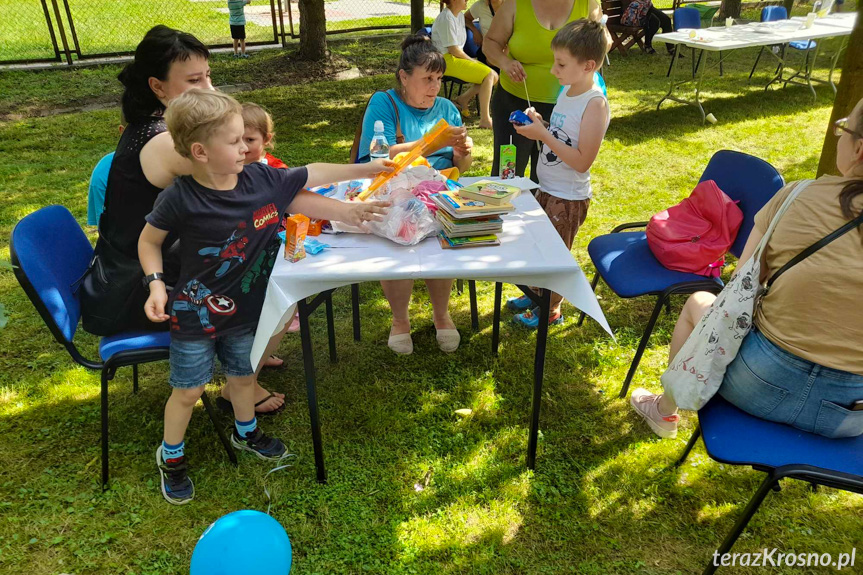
<point>569,142</point>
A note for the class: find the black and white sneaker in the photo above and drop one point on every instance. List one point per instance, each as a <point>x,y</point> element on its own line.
<point>262,445</point>
<point>177,488</point>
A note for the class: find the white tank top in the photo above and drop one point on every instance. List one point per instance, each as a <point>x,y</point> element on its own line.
<point>555,176</point>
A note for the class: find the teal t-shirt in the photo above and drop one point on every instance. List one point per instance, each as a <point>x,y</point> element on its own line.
<point>415,122</point>
<point>237,12</point>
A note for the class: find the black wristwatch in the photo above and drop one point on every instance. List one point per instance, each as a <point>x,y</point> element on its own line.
<point>153,277</point>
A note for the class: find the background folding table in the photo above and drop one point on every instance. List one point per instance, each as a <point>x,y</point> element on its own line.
<point>723,40</point>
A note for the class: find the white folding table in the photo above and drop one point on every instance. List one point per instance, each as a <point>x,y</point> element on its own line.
<point>725,39</point>
<point>531,254</point>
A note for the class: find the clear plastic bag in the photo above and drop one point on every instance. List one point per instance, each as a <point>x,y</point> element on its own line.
<point>408,221</point>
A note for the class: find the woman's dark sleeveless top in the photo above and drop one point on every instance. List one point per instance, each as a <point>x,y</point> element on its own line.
<point>129,197</point>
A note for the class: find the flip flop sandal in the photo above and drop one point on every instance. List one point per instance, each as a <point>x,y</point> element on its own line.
<point>226,406</point>
<point>274,366</point>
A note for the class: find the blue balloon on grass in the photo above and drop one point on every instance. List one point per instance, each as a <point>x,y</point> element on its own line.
<point>243,542</point>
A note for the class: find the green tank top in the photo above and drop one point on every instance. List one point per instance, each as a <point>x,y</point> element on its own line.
<point>530,44</point>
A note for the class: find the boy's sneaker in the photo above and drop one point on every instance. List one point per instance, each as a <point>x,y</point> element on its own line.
<point>519,303</point>
<point>530,318</point>
<point>244,56</point>
<point>646,404</point>
<point>262,445</point>
<point>177,488</point>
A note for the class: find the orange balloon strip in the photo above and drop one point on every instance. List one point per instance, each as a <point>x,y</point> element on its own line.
<point>418,150</point>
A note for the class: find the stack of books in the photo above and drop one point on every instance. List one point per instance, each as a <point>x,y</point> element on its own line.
<point>470,222</point>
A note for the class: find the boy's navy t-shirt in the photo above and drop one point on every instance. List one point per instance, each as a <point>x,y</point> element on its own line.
<point>228,246</point>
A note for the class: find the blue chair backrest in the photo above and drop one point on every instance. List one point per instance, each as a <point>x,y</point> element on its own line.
<point>425,31</point>
<point>746,179</point>
<point>470,48</point>
<point>51,253</point>
<point>687,18</point>
<point>773,13</point>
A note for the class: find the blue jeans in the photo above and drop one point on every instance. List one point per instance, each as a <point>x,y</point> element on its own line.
<point>194,360</point>
<point>768,382</point>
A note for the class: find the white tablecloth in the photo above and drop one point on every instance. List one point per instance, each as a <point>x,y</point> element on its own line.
<point>760,34</point>
<point>531,253</point>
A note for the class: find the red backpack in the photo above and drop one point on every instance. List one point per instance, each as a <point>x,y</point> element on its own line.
<point>694,235</point>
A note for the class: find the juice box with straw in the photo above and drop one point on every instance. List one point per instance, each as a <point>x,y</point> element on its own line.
<point>296,228</point>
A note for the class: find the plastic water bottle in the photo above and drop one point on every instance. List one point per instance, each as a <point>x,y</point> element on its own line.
<point>379,147</point>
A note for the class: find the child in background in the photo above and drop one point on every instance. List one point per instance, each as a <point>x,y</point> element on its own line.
<point>260,136</point>
<point>226,215</point>
<point>570,142</point>
<point>237,21</point>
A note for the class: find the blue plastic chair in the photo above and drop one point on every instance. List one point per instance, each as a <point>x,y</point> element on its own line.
<point>773,14</point>
<point>686,18</point>
<point>734,437</point>
<point>49,266</point>
<point>625,263</point>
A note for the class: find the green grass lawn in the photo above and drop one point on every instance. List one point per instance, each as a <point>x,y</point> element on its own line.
<point>602,499</point>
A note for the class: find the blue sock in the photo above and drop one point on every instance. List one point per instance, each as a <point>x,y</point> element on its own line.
<point>244,428</point>
<point>172,451</point>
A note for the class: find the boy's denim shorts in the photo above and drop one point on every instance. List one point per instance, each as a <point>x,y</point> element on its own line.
<point>194,360</point>
<point>771,383</point>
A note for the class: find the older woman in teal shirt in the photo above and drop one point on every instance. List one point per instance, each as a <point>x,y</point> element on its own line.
<point>421,68</point>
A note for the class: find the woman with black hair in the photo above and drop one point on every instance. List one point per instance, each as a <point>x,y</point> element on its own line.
<point>167,63</point>
<point>411,110</point>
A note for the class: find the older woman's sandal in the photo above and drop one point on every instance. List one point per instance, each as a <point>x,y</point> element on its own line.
<point>448,339</point>
<point>402,343</point>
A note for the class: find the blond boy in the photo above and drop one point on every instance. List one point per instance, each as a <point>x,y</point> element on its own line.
<point>226,216</point>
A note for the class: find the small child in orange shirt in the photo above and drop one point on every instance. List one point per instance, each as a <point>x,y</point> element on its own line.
<point>260,136</point>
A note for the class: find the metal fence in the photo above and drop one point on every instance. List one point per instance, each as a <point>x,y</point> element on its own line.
<point>72,30</point>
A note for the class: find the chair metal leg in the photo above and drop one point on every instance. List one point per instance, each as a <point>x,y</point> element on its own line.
<point>689,445</point>
<point>674,58</point>
<point>459,287</point>
<point>135,378</point>
<point>474,315</point>
<point>495,330</point>
<point>208,407</point>
<point>755,65</point>
<point>331,328</point>
<point>355,308</point>
<point>642,345</point>
<point>593,285</point>
<point>107,375</point>
<point>742,522</point>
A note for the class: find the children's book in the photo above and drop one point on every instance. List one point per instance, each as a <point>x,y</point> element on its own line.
<point>494,193</point>
<point>469,242</point>
<point>454,228</point>
<point>460,208</point>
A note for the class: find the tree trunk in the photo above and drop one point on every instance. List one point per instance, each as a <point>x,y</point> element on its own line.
<point>789,4</point>
<point>849,92</point>
<point>729,8</point>
<point>418,18</point>
<point>313,28</point>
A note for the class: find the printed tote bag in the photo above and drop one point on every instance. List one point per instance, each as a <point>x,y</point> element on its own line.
<point>696,372</point>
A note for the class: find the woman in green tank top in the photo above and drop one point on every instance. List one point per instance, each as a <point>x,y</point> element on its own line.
<point>519,43</point>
